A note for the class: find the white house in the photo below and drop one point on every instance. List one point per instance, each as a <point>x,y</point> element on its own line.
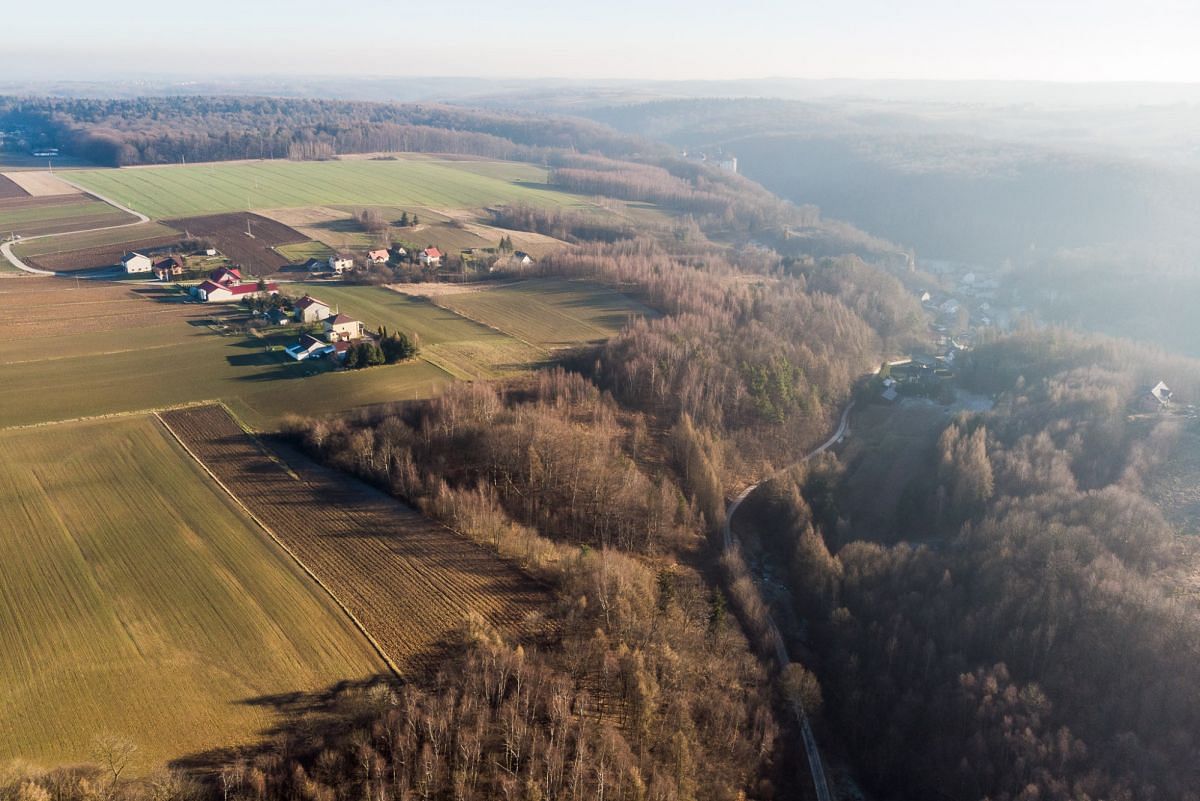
<point>522,258</point>
<point>340,265</point>
<point>212,292</point>
<point>309,347</point>
<point>136,263</point>
<point>310,310</point>
<point>431,257</point>
<point>343,328</point>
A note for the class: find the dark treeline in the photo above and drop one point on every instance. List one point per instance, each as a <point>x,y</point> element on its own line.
<point>166,130</point>
<point>1033,649</point>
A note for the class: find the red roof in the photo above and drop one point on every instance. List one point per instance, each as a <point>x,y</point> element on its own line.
<point>308,300</point>
<point>433,253</point>
<point>221,272</point>
<point>341,318</point>
<point>209,286</point>
<point>246,289</point>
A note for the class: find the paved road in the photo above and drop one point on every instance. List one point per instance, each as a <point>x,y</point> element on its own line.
<point>815,765</point>
<point>6,248</point>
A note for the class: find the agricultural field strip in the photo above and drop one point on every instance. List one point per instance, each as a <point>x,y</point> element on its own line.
<point>352,527</point>
<point>286,549</point>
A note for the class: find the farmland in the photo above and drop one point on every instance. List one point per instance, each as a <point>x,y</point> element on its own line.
<point>10,188</point>
<point>547,313</point>
<point>461,347</point>
<point>35,216</point>
<point>94,249</point>
<point>184,191</point>
<point>410,581</point>
<point>228,234</point>
<point>102,349</point>
<point>138,600</point>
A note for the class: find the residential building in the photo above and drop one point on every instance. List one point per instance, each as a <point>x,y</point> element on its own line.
<point>343,328</point>
<point>430,257</point>
<point>226,276</point>
<point>212,292</point>
<point>310,310</point>
<point>340,264</point>
<point>378,256</point>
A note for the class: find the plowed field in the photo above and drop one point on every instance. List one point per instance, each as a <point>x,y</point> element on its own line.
<point>228,233</point>
<point>409,581</point>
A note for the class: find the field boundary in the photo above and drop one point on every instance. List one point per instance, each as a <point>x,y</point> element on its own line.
<point>429,299</point>
<point>387,659</point>
<point>154,410</point>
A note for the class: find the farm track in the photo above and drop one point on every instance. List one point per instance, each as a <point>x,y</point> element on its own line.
<point>408,581</point>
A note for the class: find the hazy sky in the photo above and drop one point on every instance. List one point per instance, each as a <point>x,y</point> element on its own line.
<point>1068,40</point>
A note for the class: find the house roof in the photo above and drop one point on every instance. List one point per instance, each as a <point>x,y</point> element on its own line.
<point>309,300</point>
<point>221,272</point>
<point>169,261</point>
<point>132,255</point>
<point>340,319</point>
<point>433,253</point>
<point>209,286</point>
<point>1161,392</point>
<point>309,341</point>
<point>379,254</point>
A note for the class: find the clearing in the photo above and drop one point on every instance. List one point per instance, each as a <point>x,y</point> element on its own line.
<point>421,181</point>
<point>410,581</point>
<point>140,601</point>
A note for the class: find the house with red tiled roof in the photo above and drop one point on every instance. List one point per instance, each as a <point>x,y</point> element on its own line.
<point>310,310</point>
<point>430,256</point>
<point>212,292</point>
<point>378,256</point>
<point>225,276</point>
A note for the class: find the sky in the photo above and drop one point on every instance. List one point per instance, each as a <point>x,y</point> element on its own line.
<point>1048,40</point>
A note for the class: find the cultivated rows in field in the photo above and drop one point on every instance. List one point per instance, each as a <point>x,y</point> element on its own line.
<point>92,258</point>
<point>228,233</point>
<point>35,216</point>
<point>179,191</point>
<point>40,183</point>
<point>409,581</point>
<point>51,307</point>
<point>137,599</point>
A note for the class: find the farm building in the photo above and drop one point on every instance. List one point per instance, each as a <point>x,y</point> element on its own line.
<point>309,347</point>
<point>378,256</point>
<point>212,292</point>
<point>310,310</point>
<point>431,257</point>
<point>343,328</point>
<point>226,276</point>
<point>136,263</point>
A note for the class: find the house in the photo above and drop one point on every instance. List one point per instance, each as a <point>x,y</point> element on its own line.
<point>522,258</point>
<point>310,310</point>
<point>136,263</point>
<point>1155,398</point>
<point>340,264</point>
<point>212,292</point>
<point>210,251</point>
<point>344,328</point>
<point>430,257</point>
<point>378,256</point>
<point>277,317</point>
<point>309,347</point>
<point>226,276</point>
<point>168,268</point>
<point>399,252</point>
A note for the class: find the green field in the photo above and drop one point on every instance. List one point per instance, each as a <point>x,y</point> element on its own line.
<point>139,601</point>
<point>303,251</point>
<point>182,191</point>
<point>548,313</point>
<point>461,347</point>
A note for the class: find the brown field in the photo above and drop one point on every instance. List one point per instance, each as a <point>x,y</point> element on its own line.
<point>228,234</point>
<point>409,581</point>
<point>40,183</point>
<point>10,188</point>
<point>52,307</point>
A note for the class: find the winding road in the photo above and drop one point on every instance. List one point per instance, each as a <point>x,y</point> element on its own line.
<point>6,247</point>
<point>815,765</point>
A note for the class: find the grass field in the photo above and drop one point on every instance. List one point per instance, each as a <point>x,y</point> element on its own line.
<point>300,252</point>
<point>138,600</point>
<point>183,191</point>
<point>102,349</point>
<point>34,216</point>
<point>409,580</point>
<point>95,239</point>
<point>548,313</point>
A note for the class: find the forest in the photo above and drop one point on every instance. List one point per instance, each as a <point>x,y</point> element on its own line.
<point>1021,634</point>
